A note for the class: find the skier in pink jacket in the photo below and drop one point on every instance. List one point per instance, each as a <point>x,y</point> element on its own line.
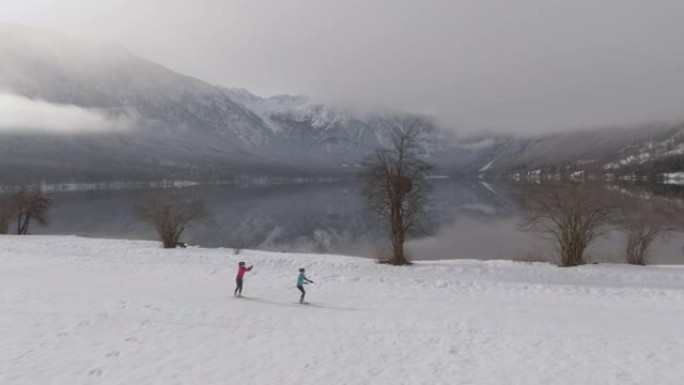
<point>240,275</point>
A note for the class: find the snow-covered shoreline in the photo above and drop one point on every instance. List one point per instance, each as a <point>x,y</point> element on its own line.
<point>92,311</point>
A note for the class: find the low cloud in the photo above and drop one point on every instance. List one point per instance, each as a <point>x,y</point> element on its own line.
<point>19,114</point>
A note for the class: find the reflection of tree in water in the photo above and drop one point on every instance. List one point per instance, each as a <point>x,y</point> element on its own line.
<point>671,191</point>
<point>313,218</point>
<point>320,218</point>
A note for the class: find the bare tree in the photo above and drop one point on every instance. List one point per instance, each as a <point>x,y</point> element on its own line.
<point>238,244</point>
<point>643,222</point>
<point>396,187</point>
<point>572,214</point>
<point>30,205</point>
<point>170,214</point>
<point>7,210</point>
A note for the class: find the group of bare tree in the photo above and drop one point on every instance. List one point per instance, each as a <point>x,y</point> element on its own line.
<point>24,206</point>
<point>396,190</point>
<point>573,215</point>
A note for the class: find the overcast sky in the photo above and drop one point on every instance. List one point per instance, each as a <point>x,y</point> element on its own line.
<point>522,65</point>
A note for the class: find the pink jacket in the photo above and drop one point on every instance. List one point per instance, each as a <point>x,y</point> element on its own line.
<point>242,270</point>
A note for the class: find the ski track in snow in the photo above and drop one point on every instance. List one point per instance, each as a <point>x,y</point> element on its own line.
<point>86,311</point>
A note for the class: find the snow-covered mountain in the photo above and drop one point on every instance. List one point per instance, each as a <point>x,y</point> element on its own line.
<point>637,151</point>
<point>181,125</point>
<point>340,136</point>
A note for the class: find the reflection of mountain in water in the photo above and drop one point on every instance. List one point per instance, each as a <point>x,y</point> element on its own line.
<point>309,218</point>
<point>318,218</point>
<point>469,219</point>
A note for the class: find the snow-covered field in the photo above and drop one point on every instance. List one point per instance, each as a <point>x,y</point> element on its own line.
<point>80,311</point>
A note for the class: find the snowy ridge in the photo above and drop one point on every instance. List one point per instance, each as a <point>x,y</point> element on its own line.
<point>182,125</point>
<point>265,108</point>
<point>107,312</point>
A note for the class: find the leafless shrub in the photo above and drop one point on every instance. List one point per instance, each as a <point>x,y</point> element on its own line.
<point>237,245</point>
<point>170,214</point>
<point>30,205</point>
<point>395,187</point>
<point>572,214</point>
<point>643,222</point>
<point>7,212</point>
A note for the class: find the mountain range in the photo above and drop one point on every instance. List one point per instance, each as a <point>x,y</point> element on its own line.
<point>179,127</point>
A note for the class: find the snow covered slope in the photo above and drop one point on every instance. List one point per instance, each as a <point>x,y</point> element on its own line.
<point>340,137</point>
<point>184,126</point>
<point>84,311</point>
<point>180,123</point>
<point>613,149</point>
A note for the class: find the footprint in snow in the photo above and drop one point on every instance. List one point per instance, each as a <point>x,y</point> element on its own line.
<point>95,372</point>
<point>84,323</point>
<point>132,339</point>
<point>114,353</point>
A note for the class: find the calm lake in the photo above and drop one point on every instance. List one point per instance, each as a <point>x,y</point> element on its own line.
<point>469,219</point>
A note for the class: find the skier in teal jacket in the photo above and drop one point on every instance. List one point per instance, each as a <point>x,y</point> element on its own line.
<point>301,281</point>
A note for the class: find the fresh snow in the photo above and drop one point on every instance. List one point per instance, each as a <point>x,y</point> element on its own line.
<point>487,166</point>
<point>87,311</point>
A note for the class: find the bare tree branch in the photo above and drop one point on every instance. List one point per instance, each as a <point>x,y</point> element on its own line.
<point>396,188</point>
<point>30,205</point>
<point>643,222</point>
<point>7,212</point>
<point>170,215</point>
<point>572,214</point>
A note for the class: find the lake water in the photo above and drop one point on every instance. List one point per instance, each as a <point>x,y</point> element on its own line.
<point>469,219</point>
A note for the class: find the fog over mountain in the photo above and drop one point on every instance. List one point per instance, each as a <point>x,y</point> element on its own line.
<point>529,66</point>
<point>491,94</point>
<point>72,109</point>
<point>136,119</point>
<point>24,115</point>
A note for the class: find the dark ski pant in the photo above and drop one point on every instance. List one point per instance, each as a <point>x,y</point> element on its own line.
<point>301,288</point>
<point>238,288</point>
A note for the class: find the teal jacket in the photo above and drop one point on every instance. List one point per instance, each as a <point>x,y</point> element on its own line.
<point>302,280</point>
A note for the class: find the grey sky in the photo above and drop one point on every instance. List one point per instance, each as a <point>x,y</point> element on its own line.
<point>533,65</point>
